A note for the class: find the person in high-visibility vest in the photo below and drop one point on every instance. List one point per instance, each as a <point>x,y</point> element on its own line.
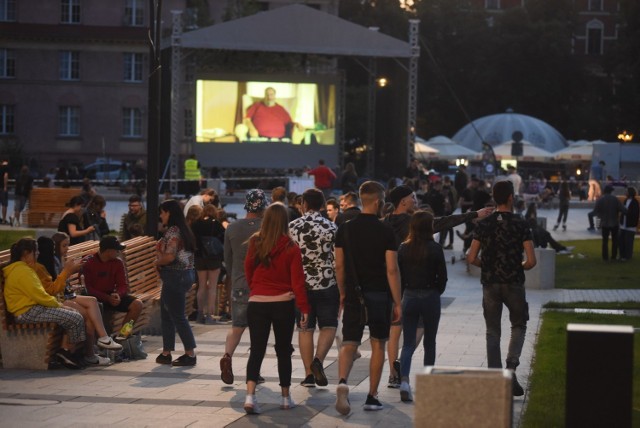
<point>192,172</point>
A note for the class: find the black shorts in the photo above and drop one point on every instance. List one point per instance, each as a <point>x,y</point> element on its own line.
<point>379,317</point>
<point>125,302</point>
<point>324,307</point>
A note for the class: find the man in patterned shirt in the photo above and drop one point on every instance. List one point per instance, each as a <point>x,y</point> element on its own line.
<point>501,238</point>
<point>316,235</point>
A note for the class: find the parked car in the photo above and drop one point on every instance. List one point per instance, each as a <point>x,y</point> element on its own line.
<point>103,170</point>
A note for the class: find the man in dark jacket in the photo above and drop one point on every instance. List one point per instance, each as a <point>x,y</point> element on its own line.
<point>629,224</point>
<point>608,208</point>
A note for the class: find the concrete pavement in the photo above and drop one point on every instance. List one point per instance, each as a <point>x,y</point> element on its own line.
<point>142,393</point>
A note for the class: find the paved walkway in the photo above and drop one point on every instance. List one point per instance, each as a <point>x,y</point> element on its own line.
<point>142,393</point>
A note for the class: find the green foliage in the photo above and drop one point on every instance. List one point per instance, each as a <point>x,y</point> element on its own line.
<point>547,384</point>
<point>591,272</point>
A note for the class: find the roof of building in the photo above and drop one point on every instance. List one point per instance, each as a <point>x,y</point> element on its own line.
<point>296,29</point>
<point>499,128</point>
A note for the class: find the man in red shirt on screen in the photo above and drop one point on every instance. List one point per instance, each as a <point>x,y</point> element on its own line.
<point>267,118</point>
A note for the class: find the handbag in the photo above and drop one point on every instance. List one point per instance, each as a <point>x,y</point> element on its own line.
<point>364,314</point>
<point>132,348</point>
<point>211,246</point>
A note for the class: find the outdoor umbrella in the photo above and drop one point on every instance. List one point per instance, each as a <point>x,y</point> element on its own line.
<point>447,149</point>
<point>423,151</point>
<point>579,151</point>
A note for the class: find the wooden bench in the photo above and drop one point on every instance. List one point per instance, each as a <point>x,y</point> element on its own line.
<point>32,345</point>
<point>25,346</point>
<point>46,206</point>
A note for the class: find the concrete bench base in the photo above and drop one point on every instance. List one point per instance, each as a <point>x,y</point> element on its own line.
<point>543,275</point>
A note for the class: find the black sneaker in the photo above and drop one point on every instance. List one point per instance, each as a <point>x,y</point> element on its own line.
<point>318,373</point>
<point>67,359</point>
<point>372,403</point>
<point>163,359</point>
<point>260,380</point>
<point>309,381</point>
<point>184,361</point>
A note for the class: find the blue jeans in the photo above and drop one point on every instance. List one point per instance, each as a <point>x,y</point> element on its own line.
<point>513,297</point>
<point>175,284</point>
<point>416,304</point>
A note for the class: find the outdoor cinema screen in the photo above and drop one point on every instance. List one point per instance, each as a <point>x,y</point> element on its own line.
<point>265,122</point>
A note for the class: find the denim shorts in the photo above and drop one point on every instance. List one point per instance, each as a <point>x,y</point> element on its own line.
<point>378,305</point>
<point>324,306</point>
<point>239,303</point>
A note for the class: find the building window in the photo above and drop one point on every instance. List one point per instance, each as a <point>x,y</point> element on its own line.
<point>595,29</point>
<point>6,119</point>
<point>595,5</point>
<point>492,4</point>
<point>134,13</point>
<point>7,63</point>
<point>7,10</point>
<point>133,67</point>
<point>70,11</point>
<point>69,65</point>
<point>69,121</point>
<point>188,123</point>
<point>132,122</point>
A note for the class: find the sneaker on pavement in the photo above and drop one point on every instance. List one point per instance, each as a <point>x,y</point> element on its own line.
<point>309,381</point>
<point>251,405</point>
<point>405,392</point>
<point>67,359</point>
<point>287,403</point>
<point>226,370</point>
<point>163,359</point>
<point>372,403</point>
<point>260,380</point>
<point>556,227</point>
<point>564,227</point>
<point>342,399</point>
<point>109,344</point>
<point>209,320</point>
<point>184,361</point>
<point>97,360</point>
<point>394,382</point>
<point>318,373</point>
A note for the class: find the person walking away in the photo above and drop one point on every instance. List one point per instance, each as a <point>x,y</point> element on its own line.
<point>609,208</point>
<point>175,261</point>
<point>274,272</point>
<point>497,247</point>
<point>24,184</point>
<point>235,250</point>
<point>207,264</point>
<point>628,225</point>
<point>323,178</point>
<point>424,277</point>
<point>369,282</point>
<point>315,235</point>
<point>564,196</point>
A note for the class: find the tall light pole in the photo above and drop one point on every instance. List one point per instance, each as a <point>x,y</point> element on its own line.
<point>153,133</point>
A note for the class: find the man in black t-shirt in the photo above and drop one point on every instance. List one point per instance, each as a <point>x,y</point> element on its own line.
<point>368,276</point>
<point>502,237</point>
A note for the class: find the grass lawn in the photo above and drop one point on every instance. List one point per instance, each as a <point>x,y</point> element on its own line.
<point>591,272</point>
<point>546,405</point>
<point>8,237</point>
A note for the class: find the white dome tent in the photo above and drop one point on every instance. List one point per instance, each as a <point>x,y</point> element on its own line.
<point>499,128</point>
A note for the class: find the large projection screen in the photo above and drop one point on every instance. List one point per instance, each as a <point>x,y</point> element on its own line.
<point>266,121</point>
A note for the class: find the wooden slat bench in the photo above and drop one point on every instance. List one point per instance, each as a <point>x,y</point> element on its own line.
<point>46,206</point>
<point>25,346</point>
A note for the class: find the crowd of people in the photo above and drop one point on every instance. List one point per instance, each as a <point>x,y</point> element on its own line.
<point>372,257</point>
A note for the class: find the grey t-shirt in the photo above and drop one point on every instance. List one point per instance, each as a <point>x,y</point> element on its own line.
<point>235,248</point>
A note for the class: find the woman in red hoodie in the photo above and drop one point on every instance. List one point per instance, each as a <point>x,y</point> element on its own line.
<point>273,268</point>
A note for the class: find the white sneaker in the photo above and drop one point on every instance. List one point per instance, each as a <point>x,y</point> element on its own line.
<point>287,403</point>
<point>405,391</point>
<point>251,405</point>
<point>342,399</point>
<point>97,360</point>
<point>110,344</point>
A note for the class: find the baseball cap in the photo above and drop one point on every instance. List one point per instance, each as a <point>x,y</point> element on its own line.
<point>398,193</point>
<point>256,201</point>
<point>111,243</point>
